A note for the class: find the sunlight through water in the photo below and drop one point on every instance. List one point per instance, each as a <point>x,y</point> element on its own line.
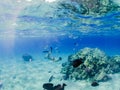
<point>69,44</point>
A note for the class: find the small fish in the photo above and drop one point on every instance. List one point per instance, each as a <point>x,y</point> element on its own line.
<point>76,44</point>
<point>94,84</point>
<point>60,58</point>
<point>60,87</point>
<point>27,57</point>
<point>45,51</point>
<point>77,62</point>
<point>48,86</point>
<point>57,87</point>
<point>51,78</point>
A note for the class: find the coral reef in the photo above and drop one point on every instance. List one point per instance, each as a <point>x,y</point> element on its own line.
<point>96,65</point>
<point>87,7</point>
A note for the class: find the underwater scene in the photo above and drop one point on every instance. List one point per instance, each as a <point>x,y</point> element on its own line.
<point>60,45</point>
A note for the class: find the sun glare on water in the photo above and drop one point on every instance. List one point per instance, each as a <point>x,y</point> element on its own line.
<point>50,0</point>
<point>117,2</point>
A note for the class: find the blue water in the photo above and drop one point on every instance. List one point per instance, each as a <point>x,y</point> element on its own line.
<point>31,27</point>
<point>36,45</point>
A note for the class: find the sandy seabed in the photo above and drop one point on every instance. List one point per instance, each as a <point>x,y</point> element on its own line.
<point>19,75</point>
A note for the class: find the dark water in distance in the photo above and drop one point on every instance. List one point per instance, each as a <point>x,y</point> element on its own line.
<point>62,45</point>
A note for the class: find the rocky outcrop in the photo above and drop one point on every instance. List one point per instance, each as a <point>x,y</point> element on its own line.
<point>96,65</point>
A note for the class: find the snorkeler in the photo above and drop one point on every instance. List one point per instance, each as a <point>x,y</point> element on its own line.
<point>50,57</point>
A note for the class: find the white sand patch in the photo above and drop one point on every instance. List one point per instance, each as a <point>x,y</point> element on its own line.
<point>32,75</point>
